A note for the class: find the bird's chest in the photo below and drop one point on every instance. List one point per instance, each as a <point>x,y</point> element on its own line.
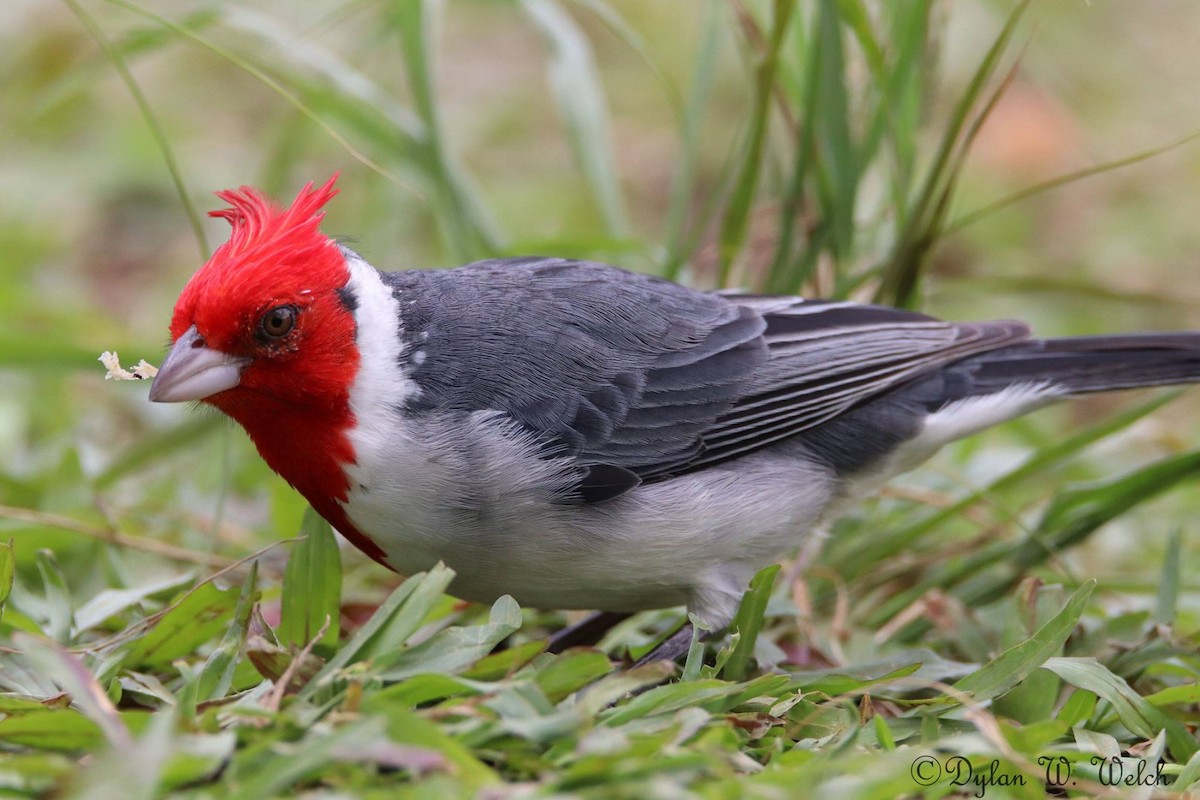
<point>456,489</point>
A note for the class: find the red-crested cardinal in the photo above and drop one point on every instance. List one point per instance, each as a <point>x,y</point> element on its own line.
<point>578,436</point>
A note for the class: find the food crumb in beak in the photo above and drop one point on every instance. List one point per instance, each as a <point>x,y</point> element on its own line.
<point>112,363</point>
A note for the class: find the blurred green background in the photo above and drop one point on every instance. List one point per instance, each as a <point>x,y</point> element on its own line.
<point>857,148</point>
<point>614,130</point>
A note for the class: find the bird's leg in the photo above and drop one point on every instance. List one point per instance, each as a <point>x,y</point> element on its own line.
<point>588,631</point>
<point>673,648</point>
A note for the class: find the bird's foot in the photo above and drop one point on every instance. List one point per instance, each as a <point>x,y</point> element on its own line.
<point>587,632</point>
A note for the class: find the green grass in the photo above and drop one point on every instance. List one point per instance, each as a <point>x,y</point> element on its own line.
<point>176,623</point>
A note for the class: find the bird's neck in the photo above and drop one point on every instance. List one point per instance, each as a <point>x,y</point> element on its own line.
<point>310,449</point>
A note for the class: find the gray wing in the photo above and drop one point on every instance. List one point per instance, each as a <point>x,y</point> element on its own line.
<point>828,357</point>
<point>637,378</point>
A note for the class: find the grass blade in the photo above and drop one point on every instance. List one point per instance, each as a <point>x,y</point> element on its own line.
<point>839,169</point>
<point>59,611</point>
<point>199,615</point>
<point>1073,515</point>
<point>156,130</point>
<point>900,275</point>
<point>397,618</point>
<point>1016,663</point>
<point>1058,182</point>
<point>1133,710</point>
<point>1167,601</point>
<point>453,649</point>
<point>575,82</point>
<point>272,84</point>
<point>68,672</point>
<point>683,178</point>
<point>857,556</point>
<point>467,231</point>
<point>635,42</point>
<point>748,622</point>
<point>1078,511</point>
<point>216,676</point>
<point>312,585</point>
<point>736,221</point>
<point>8,567</point>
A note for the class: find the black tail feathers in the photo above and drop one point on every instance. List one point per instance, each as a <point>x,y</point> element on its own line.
<point>1083,364</point>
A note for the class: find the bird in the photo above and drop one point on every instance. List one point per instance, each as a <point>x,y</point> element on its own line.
<point>578,436</point>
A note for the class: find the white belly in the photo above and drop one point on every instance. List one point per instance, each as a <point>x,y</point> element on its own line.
<point>485,510</point>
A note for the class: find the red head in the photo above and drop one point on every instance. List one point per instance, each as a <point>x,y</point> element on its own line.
<point>262,332</point>
<point>268,302</point>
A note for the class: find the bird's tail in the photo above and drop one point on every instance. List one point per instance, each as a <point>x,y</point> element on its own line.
<point>985,389</point>
<point>1084,364</point>
<point>989,388</point>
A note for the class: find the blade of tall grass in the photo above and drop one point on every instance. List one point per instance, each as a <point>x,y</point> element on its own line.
<point>1188,779</point>
<point>575,81</point>
<point>1167,601</point>
<point>467,230</point>
<point>817,211</point>
<point>131,44</point>
<point>838,172</point>
<point>69,672</point>
<point>613,20</point>
<point>824,163</point>
<point>736,220</point>
<point>62,729</point>
<point>198,615</point>
<point>397,618</point>
<point>901,272</point>
<point>846,112</point>
<point>1079,510</point>
<point>8,564</point>
<point>857,19</point>
<point>958,161</point>
<point>111,602</point>
<point>452,649</point>
<point>56,594</point>
<point>269,772</point>
<point>683,179</point>
<point>216,676</point>
<point>905,87</point>
<point>789,270</point>
<point>262,77</point>
<point>351,84</point>
<point>156,130</point>
<point>1058,182</point>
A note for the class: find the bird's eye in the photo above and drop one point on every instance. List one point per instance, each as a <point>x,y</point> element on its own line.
<point>277,323</point>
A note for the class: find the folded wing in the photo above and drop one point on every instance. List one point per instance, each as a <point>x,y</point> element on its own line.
<point>640,379</point>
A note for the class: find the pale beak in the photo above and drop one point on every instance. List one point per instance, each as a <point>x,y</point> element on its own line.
<point>193,371</point>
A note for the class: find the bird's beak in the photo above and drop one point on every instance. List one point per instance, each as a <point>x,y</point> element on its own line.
<point>193,371</point>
